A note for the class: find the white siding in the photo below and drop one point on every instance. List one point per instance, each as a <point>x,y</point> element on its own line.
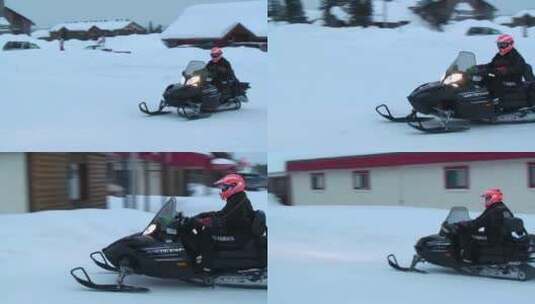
<point>13,183</point>
<point>420,186</point>
<point>154,178</point>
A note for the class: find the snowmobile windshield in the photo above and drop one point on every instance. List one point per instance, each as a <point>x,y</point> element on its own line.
<point>463,62</point>
<point>194,66</point>
<point>164,217</point>
<point>458,214</point>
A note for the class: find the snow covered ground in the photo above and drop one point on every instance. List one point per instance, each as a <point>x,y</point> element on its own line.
<point>75,99</point>
<point>39,249</point>
<point>326,82</point>
<point>333,254</point>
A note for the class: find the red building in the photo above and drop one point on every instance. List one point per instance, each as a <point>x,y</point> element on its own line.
<point>17,22</point>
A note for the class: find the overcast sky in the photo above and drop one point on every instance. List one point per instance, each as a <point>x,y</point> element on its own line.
<point>51,12</point>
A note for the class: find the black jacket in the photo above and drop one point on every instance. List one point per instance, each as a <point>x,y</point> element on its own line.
<point>221,70</point>
<point>492,219</point>
<point>513,63</point>
<point>238,213</point>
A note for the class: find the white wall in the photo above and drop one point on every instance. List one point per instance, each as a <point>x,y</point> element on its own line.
<point>420,186</point>
<point>13,183</point>
<point>154,178</point>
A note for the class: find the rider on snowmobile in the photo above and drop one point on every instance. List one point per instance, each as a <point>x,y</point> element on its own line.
<point>234,220</point>
<point>492,219</point>
<point>507,65</point>
<point>221,71</point>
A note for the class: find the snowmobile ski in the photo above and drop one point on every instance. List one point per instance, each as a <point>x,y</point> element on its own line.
<point>119,287</point>
<point>388,115</point>
<point>104,264</point>
<point>443,127</point>
<point>145,109</point>
<point>393,262</point>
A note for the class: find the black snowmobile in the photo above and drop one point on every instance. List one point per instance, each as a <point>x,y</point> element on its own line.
<point>197,96</point>
<point>513,260</point>
<point>463,96</point>
<point>163,250</point>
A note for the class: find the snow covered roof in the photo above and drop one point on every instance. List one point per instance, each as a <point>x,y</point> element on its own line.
<point>463,6</point>
<point>86,25</point>
<point>340,13</point>
<point>3,22</point>
<point>41,34</point>
<point>223,161</point>
<point>503,19</point>
<point>522,13</point>
<point>397,10</point>
<point>215,20</point>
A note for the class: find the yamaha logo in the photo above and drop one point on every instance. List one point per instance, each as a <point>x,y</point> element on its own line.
<point>164,250</point>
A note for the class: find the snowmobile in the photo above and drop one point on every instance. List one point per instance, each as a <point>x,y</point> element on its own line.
<point>513,260</point>
<point>197,97</point>
<point>164,250</point>
<point>465,95</point>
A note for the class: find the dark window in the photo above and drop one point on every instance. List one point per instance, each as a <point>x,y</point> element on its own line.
<point>77,187</point>
<point>531,175</point>
<point>317,181</point>
<point>361,180</point>
<point>456,177</point>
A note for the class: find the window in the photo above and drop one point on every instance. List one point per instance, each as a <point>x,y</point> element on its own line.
<point>531,175</point>
<point>361,180</point>
<point>77,182</point>
<point>456,177</point>
<point>317,181</point>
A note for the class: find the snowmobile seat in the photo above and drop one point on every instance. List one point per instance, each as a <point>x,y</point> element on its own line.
<point>515,96</point>
<point>259,223</point>
<point>513,248</point>
<point>528,73</point>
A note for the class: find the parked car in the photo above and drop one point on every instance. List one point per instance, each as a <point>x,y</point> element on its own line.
<point>480,30</point>
<point>254,181</point>
<point>19,45</point>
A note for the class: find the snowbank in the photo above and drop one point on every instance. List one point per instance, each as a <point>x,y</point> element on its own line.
<point>332,254</point>
<point>223,17</point>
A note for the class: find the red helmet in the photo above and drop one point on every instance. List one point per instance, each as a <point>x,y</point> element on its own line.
<point>230,185</point>
<point>216,53</point>
<point>492,196</point>
<point>505,43</point>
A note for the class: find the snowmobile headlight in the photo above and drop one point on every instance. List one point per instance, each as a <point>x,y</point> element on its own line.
<point>194,81</point>
<point>150,229</point>
<point>453,79</point>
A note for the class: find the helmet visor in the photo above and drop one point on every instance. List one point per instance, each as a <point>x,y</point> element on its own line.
<point>225,187</point>
<point>503,45</point>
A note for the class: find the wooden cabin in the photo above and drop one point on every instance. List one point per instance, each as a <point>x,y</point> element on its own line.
<point>242,24</point>
<point>441,12</point>
<point>44,181</point>
<point>92,30</point>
